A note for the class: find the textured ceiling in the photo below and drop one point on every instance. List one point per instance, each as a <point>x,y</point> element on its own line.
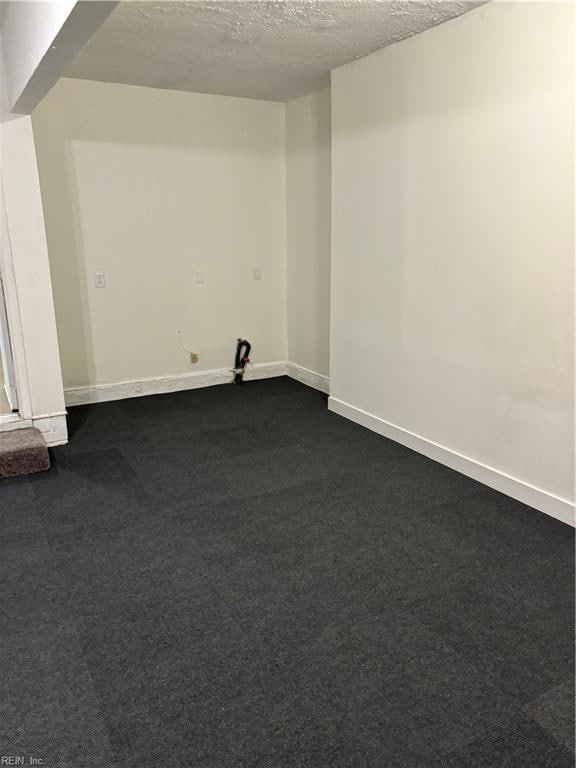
<point>263,49</point>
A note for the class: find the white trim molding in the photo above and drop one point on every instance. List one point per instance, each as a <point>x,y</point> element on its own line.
<point>53,427</point>
<point>102,393</point>
<point>555,506</point>
<point>308,377</point>
<point>265,370</point>
<point>10,421</point>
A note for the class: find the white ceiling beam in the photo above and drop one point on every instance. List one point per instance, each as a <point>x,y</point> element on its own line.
<point>39,41</point>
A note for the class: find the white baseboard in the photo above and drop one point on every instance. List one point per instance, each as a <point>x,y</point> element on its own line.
<point>308,377</point>
<point>10,421</point>
<point>555,506</point>
<point>101,393</point>
<point>265,370</point>
<point>53,427</point>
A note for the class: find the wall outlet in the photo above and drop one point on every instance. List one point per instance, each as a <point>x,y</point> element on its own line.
<point>256,273</point>
<point>99,280</point>
<point>194,357</point>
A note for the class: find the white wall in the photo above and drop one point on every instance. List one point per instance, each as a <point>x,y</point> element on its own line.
<point>308,173</point>
<point>26,275</point>
<point>452,270</point>
<point>151,187</point>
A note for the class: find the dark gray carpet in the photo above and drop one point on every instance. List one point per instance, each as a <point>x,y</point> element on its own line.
<point>237,577</point>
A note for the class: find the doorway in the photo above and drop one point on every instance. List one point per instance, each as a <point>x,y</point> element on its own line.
<point>8,392</point>
<point>8,389</point>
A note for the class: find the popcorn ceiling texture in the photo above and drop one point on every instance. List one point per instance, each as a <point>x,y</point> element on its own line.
<point>263,49</point>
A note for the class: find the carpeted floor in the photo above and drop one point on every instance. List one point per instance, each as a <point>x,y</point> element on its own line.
<point>237,577</point>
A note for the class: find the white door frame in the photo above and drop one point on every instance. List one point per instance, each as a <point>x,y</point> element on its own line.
<point>17,374</point>
<point>8,372</point>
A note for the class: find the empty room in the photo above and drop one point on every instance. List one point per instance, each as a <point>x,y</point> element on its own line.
<point>287,418</point>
